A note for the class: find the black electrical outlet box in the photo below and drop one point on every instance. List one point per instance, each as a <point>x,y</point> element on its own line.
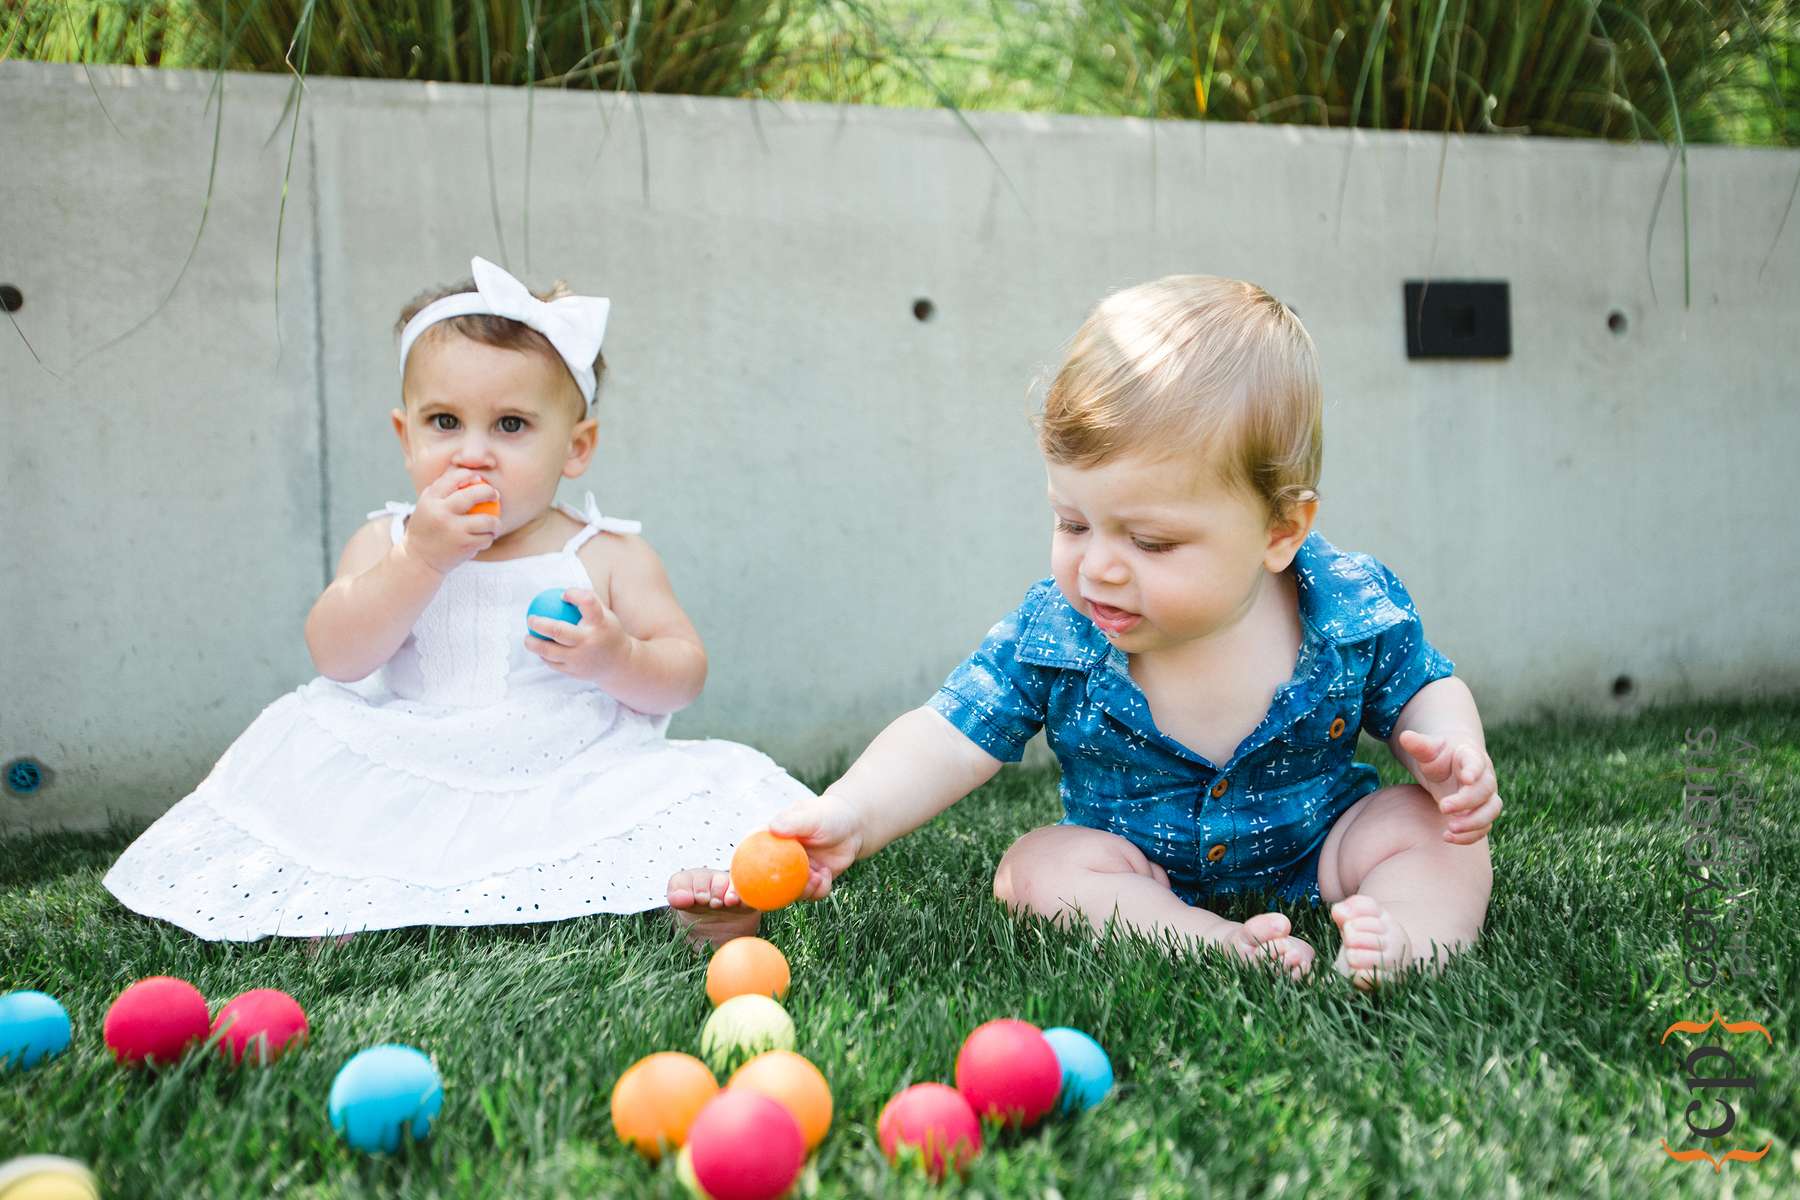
<point>1461,319</point>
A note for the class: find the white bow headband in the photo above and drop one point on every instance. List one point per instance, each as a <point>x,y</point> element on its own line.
<point>575,325</point>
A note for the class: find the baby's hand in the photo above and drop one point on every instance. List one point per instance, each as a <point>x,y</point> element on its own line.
<point>831,833</point>
<point>590,651</point>
<point>442,533</point>
<point>1460,777</point>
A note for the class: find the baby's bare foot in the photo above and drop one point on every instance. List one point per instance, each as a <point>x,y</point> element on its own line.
<point>707,909</point>
<point>1268,937</point>
<point>1375,948</point>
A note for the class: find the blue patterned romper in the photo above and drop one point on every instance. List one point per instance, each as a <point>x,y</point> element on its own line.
<point>1255,823</point>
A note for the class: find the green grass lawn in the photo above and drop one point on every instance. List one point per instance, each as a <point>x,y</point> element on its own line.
<point>1532,1067</point>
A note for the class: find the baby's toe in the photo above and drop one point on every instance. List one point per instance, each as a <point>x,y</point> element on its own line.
<point>690,888</point>
<point>1296,957</point>
<point>1267,927</point>
<point>1266,938</point>
<point>718,888</point>
<point>1352,907</point>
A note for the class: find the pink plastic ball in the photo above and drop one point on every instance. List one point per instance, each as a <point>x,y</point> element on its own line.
<point>933,1120</point>
<point>745,1146</point>
<point>261,1024</point>
<point>1007,1069</point>
<point>155,1020</point>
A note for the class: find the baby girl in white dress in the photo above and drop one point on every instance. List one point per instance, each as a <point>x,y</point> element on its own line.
<point>458,763</point>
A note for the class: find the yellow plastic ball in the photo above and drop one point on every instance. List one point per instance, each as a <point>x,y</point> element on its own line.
<point>684,1171</point>
<point>744,1026</point>
<point>46,1177</point>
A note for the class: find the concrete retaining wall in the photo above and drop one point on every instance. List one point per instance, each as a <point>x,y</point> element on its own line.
<point>846,496</point>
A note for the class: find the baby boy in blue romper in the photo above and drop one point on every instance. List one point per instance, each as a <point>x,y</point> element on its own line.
<point>1201,662</point>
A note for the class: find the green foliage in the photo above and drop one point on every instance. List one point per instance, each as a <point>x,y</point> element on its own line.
<point>1676,70</point>
<point>1531,1067</point>
<point>701,47</point>
<point>156,33</point>
<point>1638,68</point>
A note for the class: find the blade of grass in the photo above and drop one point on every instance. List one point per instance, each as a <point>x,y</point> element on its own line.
<point>531,22</point>
<point>35,357</point>
<point>487,129</point>
<point>302,38</point>
<point>1437,197</point>
<point>1778,107</point>
<point>944,98</point>
<point>1429,58</point>
<point>1680,151</point>
<point>1362,80</point>
<point>212,176</point>
<point>627,81</point>
<point>89,74</point>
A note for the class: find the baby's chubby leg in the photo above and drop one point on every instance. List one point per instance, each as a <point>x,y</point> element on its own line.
<point>1066,872</point>
<point>1400,893</point>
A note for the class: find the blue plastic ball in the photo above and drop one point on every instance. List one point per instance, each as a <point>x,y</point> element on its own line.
<point>1087,1072</point>
<point>33,1028</point>
<point>381,1093</point>
<point>549,603</point>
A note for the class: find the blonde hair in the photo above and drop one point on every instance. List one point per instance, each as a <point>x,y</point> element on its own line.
<point>503,332</point>
<point>1193,364</point>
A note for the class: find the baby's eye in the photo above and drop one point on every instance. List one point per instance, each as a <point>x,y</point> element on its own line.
<point>512,424</point>
<point>1063,526</point>
<point>438,421</point>
<point>1153,547</point>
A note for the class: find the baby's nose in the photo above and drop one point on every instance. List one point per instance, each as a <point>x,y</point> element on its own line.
<point>474,452</point>
<point>1103,567</point>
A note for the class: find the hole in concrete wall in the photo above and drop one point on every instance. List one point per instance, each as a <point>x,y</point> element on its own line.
<point>1623,686</point>
<point>11,298</point>
<point>1615,321</point>
<point>24,776</point>
<point>923,309</point>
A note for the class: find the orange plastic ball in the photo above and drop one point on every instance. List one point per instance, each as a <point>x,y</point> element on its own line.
<point>657,1098</point>
<point>794,1083</point>
<point>747,966</point>
<point>769,872</point>
<point>490,508</point>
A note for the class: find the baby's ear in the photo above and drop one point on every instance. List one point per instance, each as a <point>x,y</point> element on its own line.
<point>582,440</point>
<point>1289,528</point>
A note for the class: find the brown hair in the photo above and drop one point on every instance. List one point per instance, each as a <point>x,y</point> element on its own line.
<point>1193,364</point>
<point>502,332</point>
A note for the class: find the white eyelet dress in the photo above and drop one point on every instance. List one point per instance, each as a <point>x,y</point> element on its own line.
<point>464,782</point>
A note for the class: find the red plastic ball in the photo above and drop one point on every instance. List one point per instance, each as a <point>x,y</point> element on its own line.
<point>934,1121</point>
<point>155,1020</point>
<point>1008,1069</point>
<point>745,1146</point>
<point>261,1024</point>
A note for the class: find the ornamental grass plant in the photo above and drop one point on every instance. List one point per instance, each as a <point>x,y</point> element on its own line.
<point>1671,70</point>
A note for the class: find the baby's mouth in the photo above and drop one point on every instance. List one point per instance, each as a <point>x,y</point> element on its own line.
<point>1112,620</point>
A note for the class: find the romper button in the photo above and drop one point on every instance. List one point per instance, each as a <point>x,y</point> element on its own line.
<point>1218,789</point>
<point>1337,728</point>
<point>1216,853</point>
